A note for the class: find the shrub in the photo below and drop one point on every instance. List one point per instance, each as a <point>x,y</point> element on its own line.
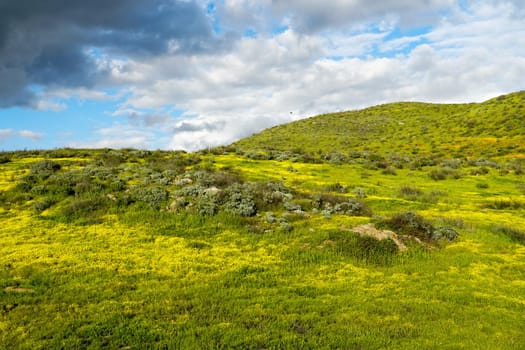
<point>82,208</point>
<point>207,205</point>
<point>410,191</point>
<point>323,200</point>
<point>479,171</point>
<point>156,178</point>
<point>502,204</point>
<point>239,200</point>
<point>269,195</point>
<point>39,190</point>
<point>4,159</point>
<point>70,183</point>
<point>452,163</point>
<point>482,185</point>
<point>44,168</point>
<point>444,232</point>
<point>286,226</point>
<point>270,217</point>
<point>153,196</point>
<point>359,193</point>
<point>291,206</point>
<point>352,207</point>
<point>43,205</point>
<point>111,158</point>
<point>224,179</point>
<point>514,234</point>
<point>336,187</point>
<point>444,173</point>
<point>102,173</point>
<point>389,171</point>
<point>26,185</point>
<point>191,191</point>
<point>410,224</point>
<point>117,185</point>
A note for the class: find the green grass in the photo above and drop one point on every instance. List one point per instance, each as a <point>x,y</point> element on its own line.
<point>111,262</point>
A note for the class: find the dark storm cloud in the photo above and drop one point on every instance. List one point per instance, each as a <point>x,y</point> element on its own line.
<point>47,42</point>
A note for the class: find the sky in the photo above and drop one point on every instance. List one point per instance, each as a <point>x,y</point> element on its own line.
<point>191,74</point>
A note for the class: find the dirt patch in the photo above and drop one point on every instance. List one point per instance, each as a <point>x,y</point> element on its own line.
<point>370,230</point>
<point>18,289</point>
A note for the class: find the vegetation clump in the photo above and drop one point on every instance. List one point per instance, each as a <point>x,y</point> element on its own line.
<point>514,234</point>
<point>414,225</point>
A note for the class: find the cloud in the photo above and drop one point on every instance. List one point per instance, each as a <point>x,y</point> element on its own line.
<point>468,56</point>
<point>6,134</point>
<point>183,74</point>
<point>59,43</point>
<point>205,132</point>
<point>148,120</point>
<point>310,16</point>
<point>198,125</point>
<point>119,136</point>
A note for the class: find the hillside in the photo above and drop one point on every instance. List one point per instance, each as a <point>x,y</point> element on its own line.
<point>405,130</point>
<point>342,236</point>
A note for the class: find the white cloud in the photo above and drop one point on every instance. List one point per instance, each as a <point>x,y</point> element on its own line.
<point>28,134</point>
<point>468,56</point>
<point>6,134</point>
<point>312,15</point>
<point>119,136</point>
<point>49,105</point>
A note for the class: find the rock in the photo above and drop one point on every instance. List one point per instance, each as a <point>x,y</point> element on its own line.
<point>370,230</point>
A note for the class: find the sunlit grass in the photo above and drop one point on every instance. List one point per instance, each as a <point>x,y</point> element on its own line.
<point>144,273</point>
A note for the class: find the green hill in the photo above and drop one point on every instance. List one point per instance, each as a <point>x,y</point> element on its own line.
<point>492,129</point>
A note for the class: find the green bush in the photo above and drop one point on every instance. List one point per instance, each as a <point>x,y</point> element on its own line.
<point>336,187</point>
<point>71,182</point>
<point>323,200</point>
<point>352,207</point>
<point>82,208</point>
<point>4,159</point>
<point>239,200</point>
<point>504,204</point>
<point>111,158</point>
<point>410,191</point>
<point>389,171</point>
<point>43,205</point>
<point>444,173</point>
<point>444,233</point>
<point>153,196</point>
<point>452,163</point>
<point>479,171</point>
<point>516,235</point>
<point>44,168</point>
<point>207,205</point>
<point>359,193</point>
<point>410,224</point>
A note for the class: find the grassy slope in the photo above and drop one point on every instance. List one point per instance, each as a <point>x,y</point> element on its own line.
<point>138,277</point>
<point>495,128</point>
